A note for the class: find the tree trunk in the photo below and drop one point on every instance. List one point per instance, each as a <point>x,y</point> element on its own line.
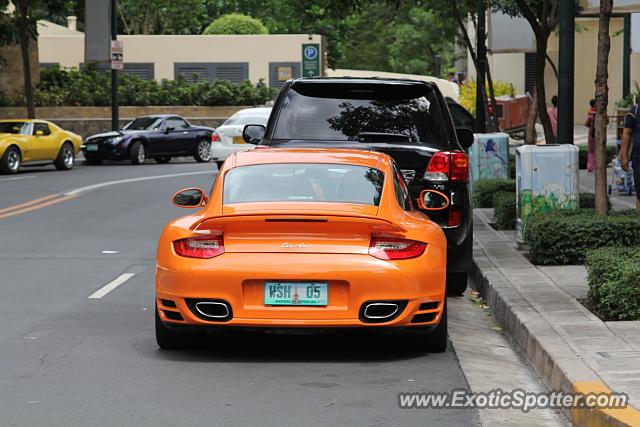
<point>23,35</point>
<point>530,133</point>
<point>602,100</point>
<point>495,126</point>
<point>541,56</point>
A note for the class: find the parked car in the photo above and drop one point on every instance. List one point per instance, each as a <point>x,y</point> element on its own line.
<point>160,137</point>
<point>407,119</point>
<point>227,138</point>
<point>36,142</point>
<point>304,239</point>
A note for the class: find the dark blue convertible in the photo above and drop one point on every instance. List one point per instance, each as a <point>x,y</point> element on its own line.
<point>160,137</point>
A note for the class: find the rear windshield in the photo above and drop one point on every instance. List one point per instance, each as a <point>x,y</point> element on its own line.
<point>308,182</point>
<point>362,112</point>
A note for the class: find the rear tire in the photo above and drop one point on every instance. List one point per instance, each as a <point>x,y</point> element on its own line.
<point>138,153</point>
<point>66,157</point>
<point>457,283</point>
<point>10,162</point>
<point>163,159</point>
<point>203,151</point>
<point>173,339</point>
<point>437,340</point>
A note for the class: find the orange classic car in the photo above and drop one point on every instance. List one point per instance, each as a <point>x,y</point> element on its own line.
<point>304,238</point>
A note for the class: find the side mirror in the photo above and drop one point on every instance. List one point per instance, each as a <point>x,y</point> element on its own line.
<point>432,200</point>
<point>465,137</point>
<point>169,129</point>
<point>253,134</point>
<point>39,133</point>
<point>189,198</point>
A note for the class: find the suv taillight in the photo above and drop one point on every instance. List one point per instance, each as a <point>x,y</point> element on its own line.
<point>199,247</point>
<point>448,166</point>
<point>392,248</point>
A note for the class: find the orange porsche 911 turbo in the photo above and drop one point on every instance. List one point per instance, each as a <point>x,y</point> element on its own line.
<point>304,238</point>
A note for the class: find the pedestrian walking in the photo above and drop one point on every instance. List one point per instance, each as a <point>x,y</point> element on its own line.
<point>591,139</point>
<point>553,116</point>
<point>630,149</point>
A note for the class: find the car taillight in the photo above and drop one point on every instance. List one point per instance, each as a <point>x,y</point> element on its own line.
<point>459,166</point>
<point>199,247</point>
<point>448,166</point>
<point>215,137</point>
<point>391,248</point>
<point>455,217</point>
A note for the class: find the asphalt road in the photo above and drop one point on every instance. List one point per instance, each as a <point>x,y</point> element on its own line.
<point>67,359</point>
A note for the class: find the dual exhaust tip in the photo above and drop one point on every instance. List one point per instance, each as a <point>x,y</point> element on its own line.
<point>370,311</point>
<point>211,310</point>
<point>381,311</point>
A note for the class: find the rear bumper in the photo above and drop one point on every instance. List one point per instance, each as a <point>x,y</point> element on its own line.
<point>353,280</point>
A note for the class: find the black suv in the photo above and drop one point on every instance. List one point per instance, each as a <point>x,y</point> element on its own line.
<point>407,119</point>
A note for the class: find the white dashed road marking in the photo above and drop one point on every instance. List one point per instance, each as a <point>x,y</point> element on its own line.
<point>111,286</point>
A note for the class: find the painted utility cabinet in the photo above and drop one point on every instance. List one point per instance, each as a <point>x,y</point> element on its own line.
<point>546,180</point>
<point>489,156</point>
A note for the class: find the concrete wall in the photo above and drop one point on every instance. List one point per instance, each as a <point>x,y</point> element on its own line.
<point>86,121</point>
<point>508,67</point>
<point>165,50</point>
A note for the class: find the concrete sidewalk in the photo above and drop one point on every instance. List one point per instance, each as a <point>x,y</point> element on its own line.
<point>569,347</point>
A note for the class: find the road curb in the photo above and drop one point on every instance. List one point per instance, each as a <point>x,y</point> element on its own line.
<point>552,358</point>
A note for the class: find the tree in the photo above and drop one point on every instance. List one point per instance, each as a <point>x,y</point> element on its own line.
<point>162,16</point>
<point>236,23</point>
<point>20,26</point>
<point>602,100</point>
<point>543,16</point>
<point>457,14</point>
<point>417,41</point>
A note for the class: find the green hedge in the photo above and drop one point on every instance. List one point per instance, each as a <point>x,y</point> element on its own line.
<point>563,237</point>
<point>504,210</point>
<point>583,153</point>
<point>484,190</point>
<point>89,87</point>
<point>614,282</point>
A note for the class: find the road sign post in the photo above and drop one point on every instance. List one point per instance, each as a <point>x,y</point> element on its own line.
<point>310,59</point>
<point>118,63</point>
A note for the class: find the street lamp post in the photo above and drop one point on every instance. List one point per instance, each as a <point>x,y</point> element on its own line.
<point>565,71</point>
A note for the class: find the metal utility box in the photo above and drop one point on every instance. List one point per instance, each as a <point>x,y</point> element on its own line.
<point>512,112</point>
<point>546,180</point>
<point>489,156</point>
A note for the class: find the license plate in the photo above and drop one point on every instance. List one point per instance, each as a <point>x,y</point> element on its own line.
<point>92,147</point>
<point>296,293</point>
<point>238,140</point>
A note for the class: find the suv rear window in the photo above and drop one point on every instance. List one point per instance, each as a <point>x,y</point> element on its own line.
<point>303,182</point>
<point>366,112</point>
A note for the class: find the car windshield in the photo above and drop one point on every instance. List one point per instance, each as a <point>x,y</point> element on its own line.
<point>308,182</point>
<point>17,128</point>
<point>143,123</point>
<point>362,112</point>
<point>247,119</point>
